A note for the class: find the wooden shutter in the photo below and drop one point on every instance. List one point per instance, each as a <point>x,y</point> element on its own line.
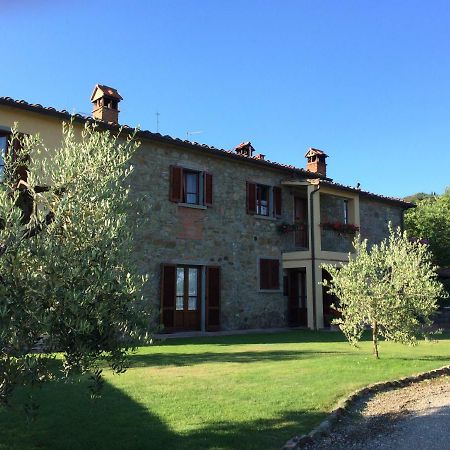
<point>176,184</point>
<point>277,201</point>
<point>269,274</point>
<point>293,294</point>
<point>208,179</point>
<point>264,273</point>
<point>212,298</point>
<point>168,291</point>
<point>275,274</point>
<point>251,198</point>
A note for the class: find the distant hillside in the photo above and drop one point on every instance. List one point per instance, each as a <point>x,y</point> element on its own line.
<point>417,197</point>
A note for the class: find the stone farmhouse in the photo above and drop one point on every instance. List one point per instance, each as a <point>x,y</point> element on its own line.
<point>234,241</point>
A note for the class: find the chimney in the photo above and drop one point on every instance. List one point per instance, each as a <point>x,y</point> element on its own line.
<point>316,161</point>
<point>105,101</point>
<point>259,156</point>
<point>245,149</point>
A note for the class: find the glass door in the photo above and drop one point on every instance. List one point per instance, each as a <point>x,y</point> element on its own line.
<point>188,300</point>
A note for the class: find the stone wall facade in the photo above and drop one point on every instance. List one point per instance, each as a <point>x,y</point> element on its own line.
<point>375,217</point>
<point>227,236</point>
<point>332,210</point>
<point>223,235</point>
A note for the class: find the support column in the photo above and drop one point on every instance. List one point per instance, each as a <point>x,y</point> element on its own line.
<point>319,294</point>
<point>309,295</point>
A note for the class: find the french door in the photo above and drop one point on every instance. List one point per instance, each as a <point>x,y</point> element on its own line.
<point>188,299</point>
<point>181,297</point>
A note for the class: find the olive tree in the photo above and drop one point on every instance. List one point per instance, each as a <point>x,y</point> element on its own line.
<point>390,288</point>
<point>67,274</point>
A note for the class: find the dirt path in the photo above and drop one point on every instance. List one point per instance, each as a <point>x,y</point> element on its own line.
<point>413,418</point>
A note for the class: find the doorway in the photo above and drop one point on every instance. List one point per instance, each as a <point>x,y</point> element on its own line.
<point>328,300</point>
<point>188,299</point>
<point>297,298</point>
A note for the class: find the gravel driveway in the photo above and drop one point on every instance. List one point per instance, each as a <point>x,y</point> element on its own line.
<point>413,418</point>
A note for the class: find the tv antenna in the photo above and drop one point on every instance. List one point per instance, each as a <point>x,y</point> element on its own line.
<point>190,133</point>
<point>157,121</point>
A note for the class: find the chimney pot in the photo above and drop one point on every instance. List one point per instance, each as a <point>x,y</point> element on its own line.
<point>245,149</point>
<point>315,161</point>
<point>105,101</point>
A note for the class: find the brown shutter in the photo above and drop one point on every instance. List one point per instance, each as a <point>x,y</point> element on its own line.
<point>176,184</point>
<point>251,198</point>
<point>293,297</point>
<point>208,179</point>
<point>269,274</point>
<point>168,291</point>
<point>277,201</point>
<point>264,273</point>
<point>212,298</point>
<point>275,274</point>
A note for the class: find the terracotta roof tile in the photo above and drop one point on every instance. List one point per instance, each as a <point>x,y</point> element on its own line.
<point>315,151</point>
<point>367,193</point>
<point>111,92</point>
<point>146,134</point>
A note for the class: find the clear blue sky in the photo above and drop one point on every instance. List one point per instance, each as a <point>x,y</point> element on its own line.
<point>366,81</point>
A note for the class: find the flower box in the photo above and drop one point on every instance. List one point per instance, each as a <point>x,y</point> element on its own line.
<point>343,228</point>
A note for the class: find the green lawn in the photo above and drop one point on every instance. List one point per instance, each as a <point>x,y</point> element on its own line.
<point>230,392</point>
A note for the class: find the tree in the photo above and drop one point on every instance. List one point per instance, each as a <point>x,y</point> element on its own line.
<point>414,198</point>
<point>431,220</point>
<point>66,270</point>
<point>390,288</point>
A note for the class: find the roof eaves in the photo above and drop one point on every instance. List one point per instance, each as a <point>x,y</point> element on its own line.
<point>146,134</point>
<point>368,194</point>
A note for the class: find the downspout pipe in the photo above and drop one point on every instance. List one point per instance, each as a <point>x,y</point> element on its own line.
<point>313,256</point>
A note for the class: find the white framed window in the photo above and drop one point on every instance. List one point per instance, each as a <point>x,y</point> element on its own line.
<point>263,199</point>
<point>3,146</point>
<point>345,206</point>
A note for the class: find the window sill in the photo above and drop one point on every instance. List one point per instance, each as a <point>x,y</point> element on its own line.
<point>259,216</point>
<point>270,291</point>
<point>192,205</point>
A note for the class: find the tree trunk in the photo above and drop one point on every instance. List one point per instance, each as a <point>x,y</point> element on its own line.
<point>375,338</point>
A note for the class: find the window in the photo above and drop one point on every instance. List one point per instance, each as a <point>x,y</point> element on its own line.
<point>263,200</point>
<point>187,289</point>
<point>269,274</point>
<point>190,187</point>
<point>346,211</point>
<point>15,149</point>
<point>3,146</point>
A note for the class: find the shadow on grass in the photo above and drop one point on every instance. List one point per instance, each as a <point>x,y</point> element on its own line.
<point>190,359</point>
<point>68,419</point>
<point>258,434</point>
<point>288,337</point>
